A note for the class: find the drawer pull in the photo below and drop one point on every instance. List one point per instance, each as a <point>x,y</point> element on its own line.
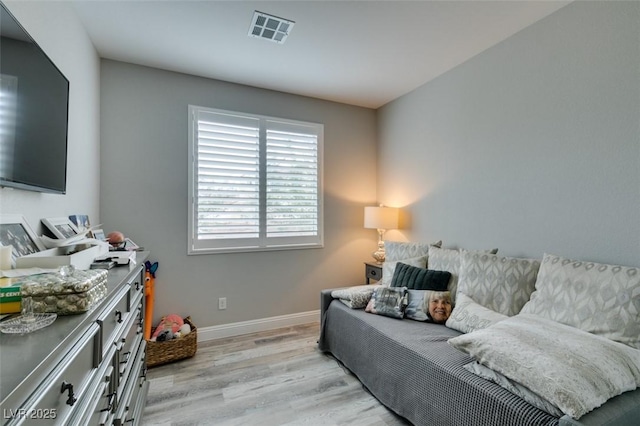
<point>137,286</point>
<point>110,402</point>
<point>71,397</point>
<point>126,357</point>
<point>119,315</point>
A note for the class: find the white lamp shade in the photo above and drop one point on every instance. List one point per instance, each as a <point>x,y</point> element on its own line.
<point>381,217</point>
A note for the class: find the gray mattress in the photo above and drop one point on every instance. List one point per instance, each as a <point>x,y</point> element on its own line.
<point>410,368</point>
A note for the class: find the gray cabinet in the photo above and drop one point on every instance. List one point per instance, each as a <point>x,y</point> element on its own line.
<point>87,369</point>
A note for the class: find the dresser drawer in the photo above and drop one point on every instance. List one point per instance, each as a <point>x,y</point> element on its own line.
<point>66,386</point>
<point>113,318</point>
<point>133,385</point>
<point>100,407</point>
<point>136,285</point>
<point>134,327</point>
<point>127,359</point>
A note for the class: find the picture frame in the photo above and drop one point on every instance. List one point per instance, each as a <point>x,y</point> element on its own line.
<point>16,232</point>
<point>130,245</point>
<point>61,227</point>
<point>99,235</point>
<point>82,223</point>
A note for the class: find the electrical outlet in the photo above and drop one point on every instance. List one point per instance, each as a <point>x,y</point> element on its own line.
<point>222,303</point>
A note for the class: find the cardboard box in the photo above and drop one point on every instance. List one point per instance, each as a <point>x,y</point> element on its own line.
<point>56,257</point>
<point>10,300</point>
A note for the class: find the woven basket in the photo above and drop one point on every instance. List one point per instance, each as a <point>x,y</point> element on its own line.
<point>159,353</point>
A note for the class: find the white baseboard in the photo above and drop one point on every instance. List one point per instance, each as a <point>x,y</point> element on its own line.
<point>253,326</point>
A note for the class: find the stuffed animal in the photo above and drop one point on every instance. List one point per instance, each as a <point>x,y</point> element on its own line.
<point>165,335</point>
<point>171,323</point>
<point>185,329</point>
<point>149,294</point>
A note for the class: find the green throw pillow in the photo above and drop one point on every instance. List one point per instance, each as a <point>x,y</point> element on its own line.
<point>415,278</point>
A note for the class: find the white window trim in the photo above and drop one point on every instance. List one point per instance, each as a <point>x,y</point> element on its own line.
<point>197,247</point>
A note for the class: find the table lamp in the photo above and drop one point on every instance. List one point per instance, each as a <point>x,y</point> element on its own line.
<point>381,218</point>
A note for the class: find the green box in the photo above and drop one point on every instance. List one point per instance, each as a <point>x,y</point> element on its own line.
<point>10,299</point>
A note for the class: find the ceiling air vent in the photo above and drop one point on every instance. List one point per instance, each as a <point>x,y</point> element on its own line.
<point>270,27</point>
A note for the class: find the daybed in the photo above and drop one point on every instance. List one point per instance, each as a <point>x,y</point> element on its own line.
<point>413,368</point>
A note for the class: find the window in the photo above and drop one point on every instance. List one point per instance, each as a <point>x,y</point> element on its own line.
<point>255,182</point>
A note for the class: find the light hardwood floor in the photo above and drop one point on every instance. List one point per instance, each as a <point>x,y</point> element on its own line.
<point>271,378</point>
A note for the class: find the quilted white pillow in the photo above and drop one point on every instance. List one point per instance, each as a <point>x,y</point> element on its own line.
<point>355,297</point>
<point>449,260</point>
<point>468,316</point>
<point>598,298</point>
<point>446,260</point>
<point>574,370</point>
<point>398,250</point>
<point>389,268</point>
<point>502,284</point>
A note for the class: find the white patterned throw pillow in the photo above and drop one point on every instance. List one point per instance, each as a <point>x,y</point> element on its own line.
<point>355,297</point>
<point>599,298</point>
<point>468,316</point>
<point>389,268</point>
<point>411,253</point>
<point>446,260</point>
<point>449,260</point>
<point>502,284</point>
<point>398,250</point>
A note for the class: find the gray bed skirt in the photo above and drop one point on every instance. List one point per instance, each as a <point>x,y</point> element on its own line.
<point>410,368</point>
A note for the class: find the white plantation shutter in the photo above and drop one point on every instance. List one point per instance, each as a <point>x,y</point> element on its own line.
<point>255,183</point>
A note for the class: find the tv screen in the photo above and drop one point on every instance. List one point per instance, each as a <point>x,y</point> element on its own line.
<point>34,99</point>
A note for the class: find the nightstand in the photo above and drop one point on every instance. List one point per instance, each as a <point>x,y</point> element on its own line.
<point>373,271</point>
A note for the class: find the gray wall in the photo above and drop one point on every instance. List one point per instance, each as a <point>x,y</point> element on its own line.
<point>57,30</point>
<point>532,146</point>
<point>144,194</point>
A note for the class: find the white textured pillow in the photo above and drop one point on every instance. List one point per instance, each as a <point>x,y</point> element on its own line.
<point>448,260</point>
<point>398,250</point>
<point>513,387</point>
<point>502,284</point>
<point>389,268</point>
<point>598,298</point>
<point>355,297</point>
<point>468,316</point>
<point>572,369</point>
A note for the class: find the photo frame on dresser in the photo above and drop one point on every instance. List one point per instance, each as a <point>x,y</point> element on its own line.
<point>98,234</point>
<point>82,223</point>
<point>16,232</point>
<point>61,227</point>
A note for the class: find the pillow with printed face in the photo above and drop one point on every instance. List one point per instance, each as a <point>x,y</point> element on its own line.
<point>428,306</point>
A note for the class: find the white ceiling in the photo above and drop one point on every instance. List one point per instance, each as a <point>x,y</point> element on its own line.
<point>362,52</point>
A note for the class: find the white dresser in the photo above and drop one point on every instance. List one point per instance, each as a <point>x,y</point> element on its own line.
<point>87,369</point>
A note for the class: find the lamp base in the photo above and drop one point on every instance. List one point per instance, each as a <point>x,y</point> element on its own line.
<point>379,255</point>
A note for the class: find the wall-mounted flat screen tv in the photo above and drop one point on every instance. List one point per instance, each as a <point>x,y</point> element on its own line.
<point>34,105</point>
